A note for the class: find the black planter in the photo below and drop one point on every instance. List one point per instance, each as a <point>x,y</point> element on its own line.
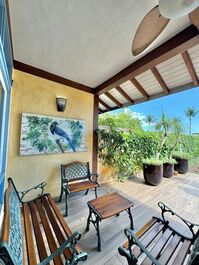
<point>153,174</point>
<point>168,170</point>
<point>181,166</point>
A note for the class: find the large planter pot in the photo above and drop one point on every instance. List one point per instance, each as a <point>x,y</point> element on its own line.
<point>168,170</point>
<point>181,166</point>
<point>153,174</point>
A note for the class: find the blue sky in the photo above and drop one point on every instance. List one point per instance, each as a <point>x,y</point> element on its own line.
<point>173,105</point>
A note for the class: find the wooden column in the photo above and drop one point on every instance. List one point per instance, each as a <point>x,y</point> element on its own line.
<point>95,136</point>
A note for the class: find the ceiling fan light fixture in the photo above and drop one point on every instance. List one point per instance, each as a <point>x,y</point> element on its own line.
<point>177,8</point>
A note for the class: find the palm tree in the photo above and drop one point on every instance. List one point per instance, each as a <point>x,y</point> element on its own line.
<point>190,113</point>
<point>149,119</point>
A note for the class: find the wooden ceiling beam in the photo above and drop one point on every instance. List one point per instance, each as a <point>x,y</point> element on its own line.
<point>113,99</point>
<point>140,88</point>
<point>124,94</point>
<point>181,42</point>
<point>52,77</point>
<point>160,80</point>
<point>190,68</point>
<point>104,104</point>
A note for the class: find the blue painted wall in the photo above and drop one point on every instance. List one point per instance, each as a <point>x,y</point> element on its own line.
<point>6,67</point>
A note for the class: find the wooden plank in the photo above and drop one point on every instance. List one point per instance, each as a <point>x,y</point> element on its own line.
<point>168,252</point>
<point>160,79</point>
<point>6,219</point>
<point>48,232</point>
<point>181,42</point>
<point>182,253</point>
<point>62,221</point>
<point>142,230</point>
<point>124,94</point>
<point>105,209</point>
<point>155,251</point>
<point>139,88</point>
<point>29,237</point>
<point>104,104</point>
<point>95,134</point>
<point>49,76</point>
<point>190,68</point>
<point>83,185</point>
<point>38,235</point>
<point>113,99</point>
<point>60,237</point>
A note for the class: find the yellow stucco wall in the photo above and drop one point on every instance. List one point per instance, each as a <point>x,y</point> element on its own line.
<point>32,94</point>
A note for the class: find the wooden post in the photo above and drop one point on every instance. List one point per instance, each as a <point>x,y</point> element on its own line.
<point>95,136</point>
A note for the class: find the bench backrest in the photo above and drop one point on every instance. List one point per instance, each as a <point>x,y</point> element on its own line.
<point>75,171</point>
<point>11,240</point>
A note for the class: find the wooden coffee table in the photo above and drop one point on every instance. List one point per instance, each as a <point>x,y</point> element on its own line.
<point>107,206</point>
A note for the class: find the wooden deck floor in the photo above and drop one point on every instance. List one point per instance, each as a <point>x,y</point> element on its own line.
<point>180,192</point>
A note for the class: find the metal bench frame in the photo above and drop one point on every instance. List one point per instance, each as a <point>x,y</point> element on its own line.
<point>78,175</point>
<point>134,240</point>
<point>14,230</point>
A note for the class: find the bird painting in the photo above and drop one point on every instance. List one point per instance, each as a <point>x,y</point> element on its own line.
<point>55,129</point>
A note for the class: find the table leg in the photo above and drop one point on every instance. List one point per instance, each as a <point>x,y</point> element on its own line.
<point>98,234</point>
<point>88,220</point>
<point>131,218</point>
<point>95,220</point>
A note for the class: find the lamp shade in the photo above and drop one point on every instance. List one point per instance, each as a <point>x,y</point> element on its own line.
<point>61,104</point>
<point>177,8</point>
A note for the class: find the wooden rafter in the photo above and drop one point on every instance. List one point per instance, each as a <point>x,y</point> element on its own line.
<point>104,104</point>
<point>140,88</point>
<point>113,99</point>
<point>190,68</point>
<point>158,95</point>
<point>181,42</point>
<point>160,79</point>
<point>124,94</point>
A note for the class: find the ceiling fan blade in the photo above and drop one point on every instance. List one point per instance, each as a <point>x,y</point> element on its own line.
<point>149,29</point>
<point>194,17</point>
<point>177,8</point>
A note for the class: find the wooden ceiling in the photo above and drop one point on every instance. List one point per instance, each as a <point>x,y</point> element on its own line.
<point>170,68</point>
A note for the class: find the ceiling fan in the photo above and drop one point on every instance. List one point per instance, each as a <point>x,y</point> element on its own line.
<point>157,19</point>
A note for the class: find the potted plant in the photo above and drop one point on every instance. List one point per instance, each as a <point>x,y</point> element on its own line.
<point>181,162</point>
<point>168,167</point>
<point>153,171</point>
<point>153,168</point>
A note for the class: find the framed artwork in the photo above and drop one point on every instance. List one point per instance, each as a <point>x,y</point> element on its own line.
<point>44,135</point>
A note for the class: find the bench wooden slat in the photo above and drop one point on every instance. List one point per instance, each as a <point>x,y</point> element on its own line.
<point>38,235</point>
<point>143,230</point>
<point>56,228</point>
<point>48,232</point>
<point>184,250</point>
<point>29,238</point>
<point>6,220</point>
<point>148,237</point>
<point>168,252</point>
<point>158,247</point>
<point>83,185</point>
<point>62,221</point>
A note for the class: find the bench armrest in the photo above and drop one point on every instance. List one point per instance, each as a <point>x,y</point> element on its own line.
<point>69,243</point>
<point>133,240</point>
<point>40,186</point>
<point>165,209</point>
<point>94,178</point>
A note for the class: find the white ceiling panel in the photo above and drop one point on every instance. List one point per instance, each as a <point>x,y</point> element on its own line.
<point>131,90</point>
<point>109,102</point>
<point>85,41</point>
<point>118,96</point>
<point>148,81</point>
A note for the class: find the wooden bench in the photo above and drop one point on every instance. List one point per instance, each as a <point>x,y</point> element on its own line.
<point>34,232</point>
<point>76,177</point>
<point>159,243</point>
